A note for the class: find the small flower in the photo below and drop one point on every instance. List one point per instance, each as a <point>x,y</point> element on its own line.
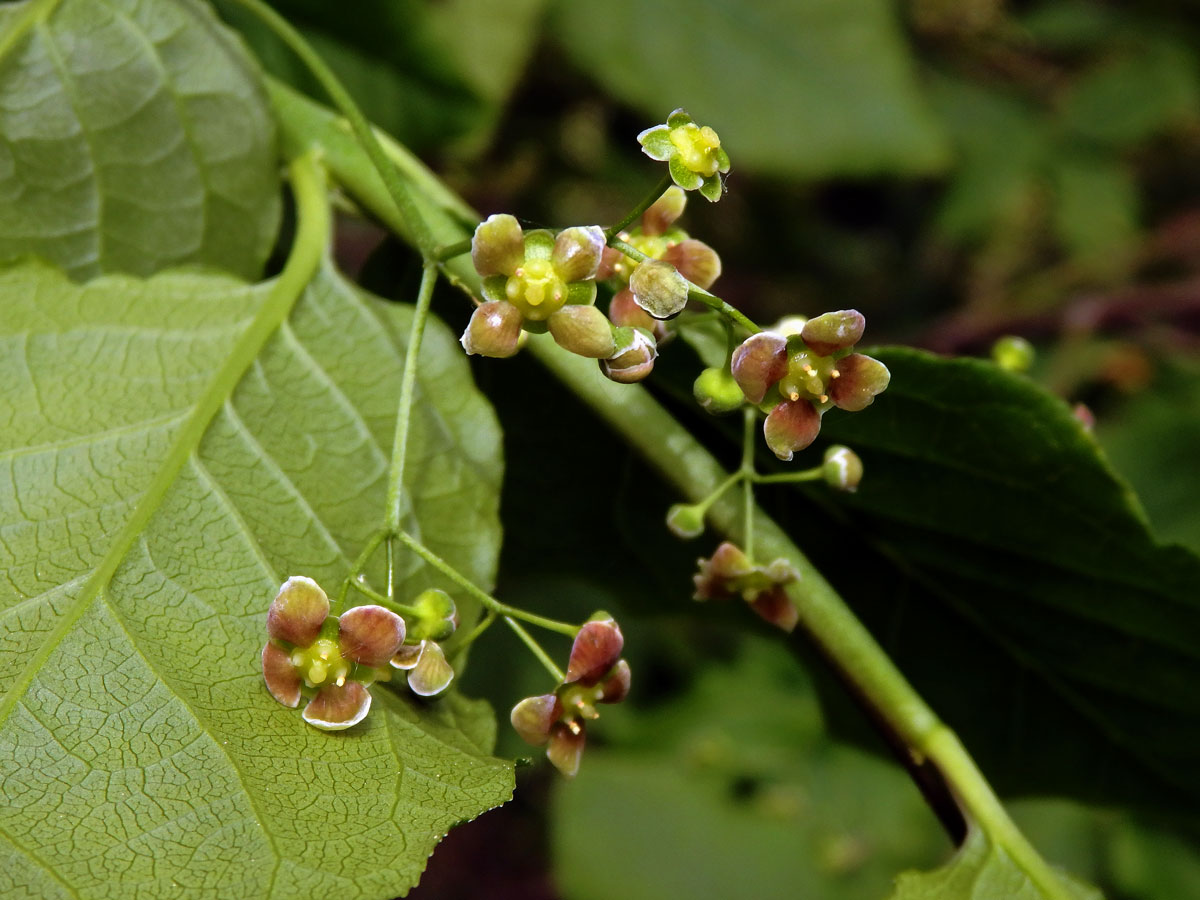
<point>594,675</point>
<point>692,152</point>
<point>428,671</point>
<point>531,280</point>
<point>731,574</point>
<point>634,357</point>
<point>436,616</point>
<point>798,375</point>
<point>329,659</point>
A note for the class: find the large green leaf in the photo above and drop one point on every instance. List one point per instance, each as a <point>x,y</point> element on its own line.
<point>167,458</point>
<point>1018,585</point>
<point>980,871</point>
<point>133,136</point>
<point>796,87</point>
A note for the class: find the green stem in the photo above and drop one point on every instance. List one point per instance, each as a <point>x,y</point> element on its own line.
<point>399,190</point>
<point>683,461</point>
<point>749,418</point>
<point>356,567</point>
<point>370,593</point>
<point>489,602</point>
<point>791,477</point>
<point>535,648</point>
<point>460,644</point>
<point>408,383</point>
<point>441,254</point>
<point>720,489</point>
<point>648,201</point>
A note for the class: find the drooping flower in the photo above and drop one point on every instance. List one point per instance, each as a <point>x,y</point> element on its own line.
<point>536,281</point>
<point>730,574</point>
<point>797,377</point>
<point>595,674</point>
<point>693,154</point>
<point>429,672</point>
<point>331,660</point>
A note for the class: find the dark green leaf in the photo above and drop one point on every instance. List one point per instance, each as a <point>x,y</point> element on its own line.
<point>142,542</point>
<point>1013,557</point>
<point>795,87</point>
<point>133,136</point>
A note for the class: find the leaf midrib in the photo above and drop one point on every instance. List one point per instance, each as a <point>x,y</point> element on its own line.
<point>299,270</point>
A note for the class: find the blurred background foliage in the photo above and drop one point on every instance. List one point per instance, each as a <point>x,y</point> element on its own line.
<point>956,169</point>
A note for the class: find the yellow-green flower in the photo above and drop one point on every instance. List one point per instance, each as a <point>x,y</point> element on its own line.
<point>692,152</point>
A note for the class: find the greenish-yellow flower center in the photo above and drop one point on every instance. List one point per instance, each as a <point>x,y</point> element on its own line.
<point>697,148</point>
<point>808,376</point>
<point>321,663</point>
<point>579,701</point>
<point>536,289</point>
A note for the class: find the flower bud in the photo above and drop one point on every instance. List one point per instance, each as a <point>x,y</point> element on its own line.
<point>664,211</point>
<point>1013,353</point>
<point>436,618</point>
<point>695,260</point>
<point>577,252</point>
<point>717,392</point>
<point>583,330</point>
<point>842,469</point>
<point>685,520</point>
<point>860,378</point>
<point>633,359</point>
<point>659,289</point>
<point>834,331</point>
<point>758,363</point>
<point>791,426</point>
<point>494,330</point>
<point>790,325</point>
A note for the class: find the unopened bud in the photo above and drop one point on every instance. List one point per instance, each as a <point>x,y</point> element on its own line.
<point>498,245</point>
<point>716,391</point>
<point>1013,353</point>
<point>437,616</point>
<point>494,330</point>
<point>623,310</point>
<point>759,363</point>
<point>633,359</point>
<point>577,252</point>
<point>834,331</point>
<point>685,520</point>
<point>664,211</point>
<point>791,426</point>
<point>695,260</point>
<point>860,379</point>
<point>583,330</point>
<point>659,289</point>
<point>842,468</point>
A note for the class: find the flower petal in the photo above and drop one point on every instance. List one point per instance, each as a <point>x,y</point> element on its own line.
<point>758,363</point>
<point>298,611</point>
<point>583,330</point>
<point>664,211</point>
<point>834,331</point>
<point>498,246</point>
<point>656,143</point>
<point>791,426</point>
<point>566,747</point>
<point>494,330</point>
<point>860,379</point>
<point>712,188</point>
<point>695,260</point>
<point>337,708</point>
<point>683,176</point>
<point>407,655</point>
<point>577,252</point>
<point>594,652</point>
<point>615,686</point>
<point>432,674</point>
<point>775,607</point>
<point>283,681</point>
<point>533,716</point>
<point>370,635</point>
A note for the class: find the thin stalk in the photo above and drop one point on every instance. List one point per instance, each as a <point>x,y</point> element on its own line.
<point>408,383</point>
<point>657,191</point>
<point>791,477</point>
<point>359,564</point>
<point>468,639</point>
<point>386,602</point>
<point>535,648</point>
<point>449,251</point>
<point>749,417</point>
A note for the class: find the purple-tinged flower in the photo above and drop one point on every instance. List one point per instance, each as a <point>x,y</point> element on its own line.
<point>330,660</point>
<point>730,574</point>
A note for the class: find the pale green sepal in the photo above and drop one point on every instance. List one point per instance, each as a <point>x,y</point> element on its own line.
<point>677,118</point>
<point>656,143</point>
<point>683,176</point>
<point>581,293</point>
<point>712,188</point>
<point>493,288</point>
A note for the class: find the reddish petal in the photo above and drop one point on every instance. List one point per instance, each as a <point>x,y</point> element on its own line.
<point>791,426</point>
<point>298,611</point>
<point>776,608</point>
<point>834,331</point>
<point>860,379</point>
<point>696,261</point>
<point>566,747</point>
<point>370,635</point>
<point>758,363</point>
<point>283,681</point>
<point>407,655</point>
<point>533,716</point>
<point>596,648</point>
<point>615,686</point>
<point>337,708</point>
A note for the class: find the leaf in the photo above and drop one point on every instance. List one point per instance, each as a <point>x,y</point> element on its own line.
<point>1096,213</point>
<point>808,88</point>
<point>735,776</point>
<point>981,871</point>
<point>133,136</point>
<point>990,539</point>
<point>153,499</point>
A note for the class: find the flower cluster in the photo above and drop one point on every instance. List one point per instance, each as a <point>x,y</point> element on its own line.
<point>333,660</point>
<point>692,152</point>
<point>595,674</point>
<point>797,377</point>
<point>730,574</point>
